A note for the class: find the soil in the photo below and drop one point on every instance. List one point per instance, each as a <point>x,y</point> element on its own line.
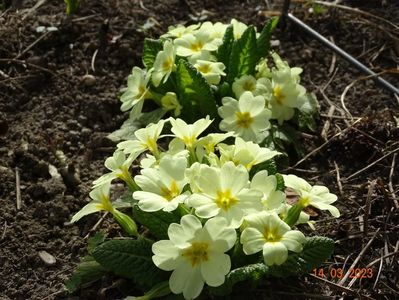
<point>58,101</point>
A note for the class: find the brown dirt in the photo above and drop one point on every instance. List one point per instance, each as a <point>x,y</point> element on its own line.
<point>47,104</point>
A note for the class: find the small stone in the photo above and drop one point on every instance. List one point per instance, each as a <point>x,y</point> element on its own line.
<point>47,258</point>
<point>88,80</point>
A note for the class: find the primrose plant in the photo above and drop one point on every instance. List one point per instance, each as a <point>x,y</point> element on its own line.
<point>226,71</point>
<point>204,211</point>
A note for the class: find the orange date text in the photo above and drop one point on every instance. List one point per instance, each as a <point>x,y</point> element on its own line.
<point>340,273</point>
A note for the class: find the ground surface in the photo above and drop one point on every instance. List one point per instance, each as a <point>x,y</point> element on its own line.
<point>49,104</point>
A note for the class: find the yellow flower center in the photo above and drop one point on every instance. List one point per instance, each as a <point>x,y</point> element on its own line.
<point>205,68</point>
<point>170,193</point>
<point>271,235</point>
<point>141,90</point>
<point>189,141</point>
<point>105,204</point>
<point>167,65</point>
<point>249,86</point>
<point>225,200</point>
<point>197,253</point>
<point>244,119</point>
<point>278,94</point>
<point>196,47</point>
<point>151,144</point>
<point>304,201</point>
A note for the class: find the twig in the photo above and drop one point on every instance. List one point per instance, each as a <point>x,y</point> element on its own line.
<point>93,60</point>
<point>339,287</point>
<point>390,184</point>
<point>333,59</point>
<point>18,188</point>
<point>379,273</point>
<point>370,165</point>
<point>85,18</point>
<point>367,207</point>
<point>322,145</point>
<point>339,183</point>
<point>346,276</point>
<point>33,44</point>
<point>96,225</point>
<point>326,126</point>
<point>356,10</point>
<point>342,98</point>
<point>23,62</point>
<point>35,7</point>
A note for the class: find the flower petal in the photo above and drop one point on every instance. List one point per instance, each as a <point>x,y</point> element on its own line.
<point>274,253</point>
<point>214,270</point>
<point>252,240</point>
<point>166,255</point>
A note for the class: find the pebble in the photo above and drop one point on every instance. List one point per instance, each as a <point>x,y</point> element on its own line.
<point>88,80</point>
<point>47,258</point>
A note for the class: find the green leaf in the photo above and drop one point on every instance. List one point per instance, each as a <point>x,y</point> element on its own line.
<point>286,136</point>
<point>131,259</point>
<point>151,117</point>
<point>129,127</point>
<point>306,116</point>
<point>269,165</point>
<point>72,6</point>
<point>224,50</point>
<point>124,201</point>
<point>293,266</point>
<point>194,93</point>
<point>95,240</point>
<point>150,50</point>
<point>157,222</point>
<point>126,132</point>
<point>243,57</point>
<point>316,250</point>
<point>280,182</point>
<point>263,41</point>
<point>252,272</point>
<point>87,271</point>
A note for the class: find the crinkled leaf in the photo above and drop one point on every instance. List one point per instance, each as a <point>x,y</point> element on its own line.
<point>87,271</point>
<point>293,266</point>
<point>129,127</point>
<point>126,132</point>
<point>95,241</point>
<point>224,50</point>
<point>151,48</point>
<point>283,137</point>
<point>307,121</point>
<point>251,272</point>
<point>131,259</point>
<point>263,41</point>
<point>125,200</point>
<point>244,56</point>
<point>316,250</point>
<point>151,116</point>
<point>194,93</point>
<point>280,182</point>
<point>269,165</point>
<point>308,113</point>
<point>157,222</point>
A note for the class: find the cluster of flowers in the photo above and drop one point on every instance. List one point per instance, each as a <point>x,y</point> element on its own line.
<point>272,93</point>
<point>221,200</point>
